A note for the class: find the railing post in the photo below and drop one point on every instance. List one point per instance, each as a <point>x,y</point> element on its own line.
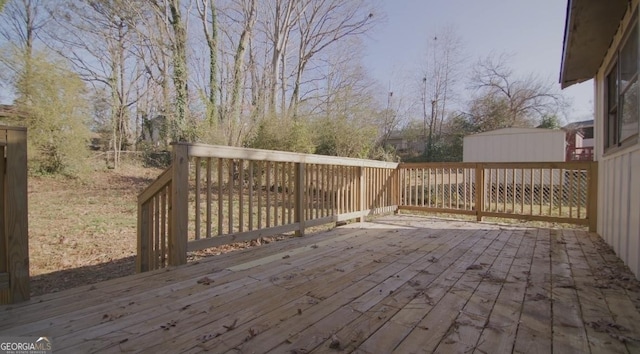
<point>15,214</point>
<point>299,198</point>
<point>479,202</point>
<point>180,205</point>
<point>592,200</point>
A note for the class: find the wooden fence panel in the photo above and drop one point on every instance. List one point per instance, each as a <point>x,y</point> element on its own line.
<point>554,192</point>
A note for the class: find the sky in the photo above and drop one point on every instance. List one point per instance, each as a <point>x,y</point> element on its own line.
<point>530,32</point>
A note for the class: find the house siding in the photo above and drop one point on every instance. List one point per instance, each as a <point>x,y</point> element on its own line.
<point>619,175</point>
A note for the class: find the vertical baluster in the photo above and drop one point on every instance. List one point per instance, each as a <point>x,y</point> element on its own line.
<point>163,225</point>
<point>251,187</point>
<point>552,187</point>
<point>230,185</point>
<point>449,186</point>
<point>531,187</point>
<point>571,187</point>
<point>284,191</point>
<point>268,191</point>
<point>260,165</point>
<point>209,201</point>
<point>504,191</point>
<point>290,193</point>
<point>220,195</point>
<point>240,176</point>
<point>541,190</point>
<point>197,201</point>
<point>513,190</point>
<point>276,190</point>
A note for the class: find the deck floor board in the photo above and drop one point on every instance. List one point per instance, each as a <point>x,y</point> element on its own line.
<point>396,284</point>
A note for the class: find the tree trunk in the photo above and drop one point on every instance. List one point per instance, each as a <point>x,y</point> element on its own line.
<point>180,73</point>
<point>238,72</point>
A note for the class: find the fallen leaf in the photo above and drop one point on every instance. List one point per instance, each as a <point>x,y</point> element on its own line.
<point>205,281</point>
<point>335,342</point>
<point>232,326</point>
<point>252,333</point>
<point>169,324</point>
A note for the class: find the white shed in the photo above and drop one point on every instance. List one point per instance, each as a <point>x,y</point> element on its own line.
<point>515,145</point>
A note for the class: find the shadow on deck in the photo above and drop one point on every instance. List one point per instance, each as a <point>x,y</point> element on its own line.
<point>398,283</point>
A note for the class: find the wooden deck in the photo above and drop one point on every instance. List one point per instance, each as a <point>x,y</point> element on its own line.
<point>400,284</point>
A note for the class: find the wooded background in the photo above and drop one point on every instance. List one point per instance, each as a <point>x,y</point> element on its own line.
<point>286,75</point>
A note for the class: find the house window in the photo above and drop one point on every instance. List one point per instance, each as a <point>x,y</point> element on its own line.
<point>621,120</point>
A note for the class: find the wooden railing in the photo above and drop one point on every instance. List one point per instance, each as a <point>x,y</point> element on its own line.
<point>553,192</point>
<point>215,195</point>
<point>14,239</point>
<point>580,153</point>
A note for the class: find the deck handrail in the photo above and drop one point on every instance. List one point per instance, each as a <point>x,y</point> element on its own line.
<point>14,238</point>
<point>216,195</point>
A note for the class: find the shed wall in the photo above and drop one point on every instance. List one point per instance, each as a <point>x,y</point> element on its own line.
<point>515,147</point>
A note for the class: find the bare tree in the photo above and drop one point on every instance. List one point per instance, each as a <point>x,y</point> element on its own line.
<point>209,18</point>
<point>98,40</point>
<point>321,24</point>
<point>441,71</point>
<point>169,14</point>
<point>282,18</point>
<point>238,73</point>
<point>513,101</point>
<point>21,22</point>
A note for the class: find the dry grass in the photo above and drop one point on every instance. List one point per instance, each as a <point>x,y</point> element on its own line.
<point>84,230</point>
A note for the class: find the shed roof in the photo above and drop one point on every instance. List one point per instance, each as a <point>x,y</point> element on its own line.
<point>589,29</point>
<point>579,125</point>
<point>506,131</point>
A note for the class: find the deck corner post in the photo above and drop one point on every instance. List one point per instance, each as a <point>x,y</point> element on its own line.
<point>16,217</point>
<point>592,201</point>
<point>180,208</point>
<point>299,198</point>
<point>479,190</point>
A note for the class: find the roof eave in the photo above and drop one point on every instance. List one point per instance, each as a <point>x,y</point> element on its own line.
<point>589,29</point>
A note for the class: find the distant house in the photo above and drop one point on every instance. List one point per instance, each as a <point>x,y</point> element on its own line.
<point>579,140</point>
<point>9,114</point>
<point>515,145</point>
<point>601,42</point>
<point>154,130</point>
<point>404,145</point>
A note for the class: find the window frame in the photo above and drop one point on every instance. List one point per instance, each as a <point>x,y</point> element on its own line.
<point>613,112</point>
